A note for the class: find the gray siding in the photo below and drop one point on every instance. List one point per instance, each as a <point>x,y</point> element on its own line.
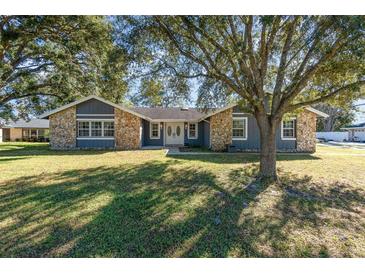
<point>93,106</point>
<point>146,140</point>
<point>89,110</point>
<point>284,144</point>
<point>87,143</point>
<point>91,117</point>
<point>253,136</point>
<point>206,128</point>
<point>194,142</point>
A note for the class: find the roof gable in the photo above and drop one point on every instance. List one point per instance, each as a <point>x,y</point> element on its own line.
<point>47,114</point>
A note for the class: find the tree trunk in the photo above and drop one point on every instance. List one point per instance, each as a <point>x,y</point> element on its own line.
<point>268,155</point>
<point>268,148</point>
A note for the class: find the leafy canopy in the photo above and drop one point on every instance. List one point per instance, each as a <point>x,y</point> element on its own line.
<point>300,60</point>
<point>51,60</point>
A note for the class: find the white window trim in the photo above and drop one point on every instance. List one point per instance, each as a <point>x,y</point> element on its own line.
<point>78,130</point>
<point>196,131</point>
<point>108,129</point>
<point>91,129</point>
<point>102,137</point>
<point>282,130</point>
<point>153,137</point>
<point>246,128</point>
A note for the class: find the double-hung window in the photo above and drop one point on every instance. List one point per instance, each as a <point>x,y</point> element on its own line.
<point>193,131</point>
<point>84,129</point>
<point>239,128</point>
<point>95,129</point>
<point>108,129</point>
<point>154,131</point>
<point>288,129</point>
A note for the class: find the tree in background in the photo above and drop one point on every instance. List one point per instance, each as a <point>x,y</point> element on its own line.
<point>150,83</point>
<point>51,60</point>
<point>298,60</point>
<point>339,116</point>
<point>160,93</point>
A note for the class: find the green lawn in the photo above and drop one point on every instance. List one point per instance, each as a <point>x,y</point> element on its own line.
<point>144,204</point>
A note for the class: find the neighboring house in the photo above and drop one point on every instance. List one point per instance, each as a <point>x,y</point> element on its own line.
<point>356,132</point>
<point>93,122</point>
<point>21,130</point>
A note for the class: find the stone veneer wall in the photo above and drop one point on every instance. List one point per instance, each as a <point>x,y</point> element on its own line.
<point>221,130</point>
<point>62,127</point>
<point>306,131</point>
<point>127,130</point>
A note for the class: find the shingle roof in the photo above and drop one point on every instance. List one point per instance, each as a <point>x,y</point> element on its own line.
<point>188,114</point>
<point>160,114</point>
<point>361,125</point>
<point>34,123</point>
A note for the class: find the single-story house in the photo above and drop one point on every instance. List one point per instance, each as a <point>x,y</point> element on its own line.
<point>93,122</point>
<point>356,132</point>
<point>21,130</point>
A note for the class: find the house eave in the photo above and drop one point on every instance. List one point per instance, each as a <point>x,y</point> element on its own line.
<point>319,113</point>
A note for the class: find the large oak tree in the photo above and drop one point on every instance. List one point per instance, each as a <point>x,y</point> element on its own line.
<point>298,60</point>
<point>50,60</point>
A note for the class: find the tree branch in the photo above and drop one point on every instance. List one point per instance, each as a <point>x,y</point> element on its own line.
<point>283,59</point>
<point>328,96</point>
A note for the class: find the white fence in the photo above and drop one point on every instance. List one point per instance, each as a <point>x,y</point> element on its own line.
<point>333,135</point>
<point>360,135</point>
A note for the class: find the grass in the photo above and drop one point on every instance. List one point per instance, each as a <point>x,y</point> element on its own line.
<point>144,204</point>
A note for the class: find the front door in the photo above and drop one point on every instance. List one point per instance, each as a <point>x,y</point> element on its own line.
<point>174,133</point>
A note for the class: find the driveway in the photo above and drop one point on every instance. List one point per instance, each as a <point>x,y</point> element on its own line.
<point>354,145</point>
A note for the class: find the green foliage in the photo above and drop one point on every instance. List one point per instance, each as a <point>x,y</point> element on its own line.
<point>51,60</point>
<point>169,92</point>
<point>152,81</point>
<point>299,59</point>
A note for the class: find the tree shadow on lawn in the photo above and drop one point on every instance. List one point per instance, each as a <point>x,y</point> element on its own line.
<point>6,160</point>
<point>26,150</point>
<point>159,210</point>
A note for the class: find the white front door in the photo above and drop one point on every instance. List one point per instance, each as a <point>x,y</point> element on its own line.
<point>174,133</point>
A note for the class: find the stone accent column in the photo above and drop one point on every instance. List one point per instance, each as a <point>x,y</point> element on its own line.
<point>127,130</point>
<point>221,130</point>
<point>306,131</point>
<point>62,128</point>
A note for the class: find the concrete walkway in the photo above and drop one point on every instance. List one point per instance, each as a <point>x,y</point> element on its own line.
<point>176,151</point>
<point>173,151</point>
